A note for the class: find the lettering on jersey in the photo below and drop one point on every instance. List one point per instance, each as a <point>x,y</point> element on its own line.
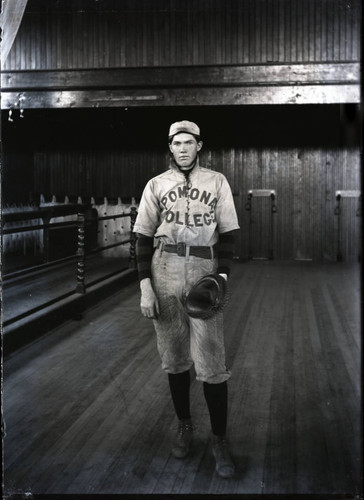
<point>195,194</point>
<point>182,191</point>
<point>192,220</point>
<point>174,216</point>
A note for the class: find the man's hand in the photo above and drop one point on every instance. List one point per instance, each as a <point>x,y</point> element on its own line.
<point>224,276</point>
<point>148,303</point>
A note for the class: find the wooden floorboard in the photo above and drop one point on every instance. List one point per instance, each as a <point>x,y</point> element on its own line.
<point>87,407</point>
<point>21,294</point>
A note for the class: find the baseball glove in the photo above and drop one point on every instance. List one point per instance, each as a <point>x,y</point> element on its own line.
<point>208,296</point>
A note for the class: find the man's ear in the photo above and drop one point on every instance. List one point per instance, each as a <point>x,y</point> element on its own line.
<point>199,145</point>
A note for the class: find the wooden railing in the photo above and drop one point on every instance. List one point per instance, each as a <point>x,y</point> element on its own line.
<point>86,217</point>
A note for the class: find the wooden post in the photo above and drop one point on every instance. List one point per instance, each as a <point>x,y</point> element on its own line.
<point>132,258</point>
<point>80,287</point>
<point>248,207</point>
<point>358,214</point>
<point>273,211</point>
<point>46,220</point>
<point>339,256</point>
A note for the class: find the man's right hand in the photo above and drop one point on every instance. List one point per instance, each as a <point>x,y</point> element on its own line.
<point>148,303</point>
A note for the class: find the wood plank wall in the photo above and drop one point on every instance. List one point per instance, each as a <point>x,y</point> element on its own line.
<point>305,180</point>
<point>127,33</point>
<point>96,173</point>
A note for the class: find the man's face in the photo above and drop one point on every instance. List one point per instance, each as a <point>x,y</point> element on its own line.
<point>184,148</point>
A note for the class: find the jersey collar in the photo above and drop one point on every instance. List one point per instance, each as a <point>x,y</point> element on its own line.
<point>174,167</point>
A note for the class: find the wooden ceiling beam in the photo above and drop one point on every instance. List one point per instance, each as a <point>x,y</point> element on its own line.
<point>211,76</point>
<point>205,85</point>
<point>224,96</point>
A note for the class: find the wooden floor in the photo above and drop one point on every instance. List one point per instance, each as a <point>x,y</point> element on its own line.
<point>24,293</point>
<point>87,408</point>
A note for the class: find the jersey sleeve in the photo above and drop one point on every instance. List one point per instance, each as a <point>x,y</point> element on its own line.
<point>144,254</point>
<point>226,252</point>
<point>148,218</point>
<point>225,212</point>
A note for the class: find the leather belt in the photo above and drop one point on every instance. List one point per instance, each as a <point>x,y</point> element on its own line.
<point>180,250</point>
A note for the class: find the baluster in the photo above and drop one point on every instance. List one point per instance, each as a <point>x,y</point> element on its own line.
<point>132,258</point>
<point>80,287</point>
<point>46,220</point>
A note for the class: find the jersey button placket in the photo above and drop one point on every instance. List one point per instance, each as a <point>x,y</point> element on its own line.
<point>188,184</point>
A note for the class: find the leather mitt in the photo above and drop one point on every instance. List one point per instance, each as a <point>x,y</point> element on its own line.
<point>208,296</point>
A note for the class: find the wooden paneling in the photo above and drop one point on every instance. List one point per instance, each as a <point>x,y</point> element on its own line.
<point>305,224</point>
<point>95,173</point>
<point>108,33</point>
<point>305,180</point>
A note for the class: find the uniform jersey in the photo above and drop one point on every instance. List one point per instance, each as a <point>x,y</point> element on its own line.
<point>191,210</point>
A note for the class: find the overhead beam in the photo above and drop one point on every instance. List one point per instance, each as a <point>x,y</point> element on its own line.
<point>223,85</point>
<point>211,76</point>
<point>225,96</point>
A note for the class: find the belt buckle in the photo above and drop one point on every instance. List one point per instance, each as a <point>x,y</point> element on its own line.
<point>181,249</point>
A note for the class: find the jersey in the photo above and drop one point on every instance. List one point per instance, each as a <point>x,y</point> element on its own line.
<point>191,210</point>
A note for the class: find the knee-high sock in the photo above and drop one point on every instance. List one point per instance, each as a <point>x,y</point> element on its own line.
<point>179,385</point>
<point>216,396</point>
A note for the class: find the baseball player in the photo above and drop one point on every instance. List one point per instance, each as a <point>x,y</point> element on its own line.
<point>185,228</point>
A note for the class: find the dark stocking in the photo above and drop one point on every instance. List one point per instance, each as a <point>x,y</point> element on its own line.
<point>216,398</point>
<point>179,385</point>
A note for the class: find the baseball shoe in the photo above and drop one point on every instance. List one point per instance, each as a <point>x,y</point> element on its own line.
<point>183,439</point>
<point>224,464</point>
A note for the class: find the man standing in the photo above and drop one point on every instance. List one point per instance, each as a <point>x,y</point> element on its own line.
<point>189,212</point>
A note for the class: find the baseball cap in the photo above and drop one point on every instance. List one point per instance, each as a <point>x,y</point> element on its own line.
<point>184,126</point>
